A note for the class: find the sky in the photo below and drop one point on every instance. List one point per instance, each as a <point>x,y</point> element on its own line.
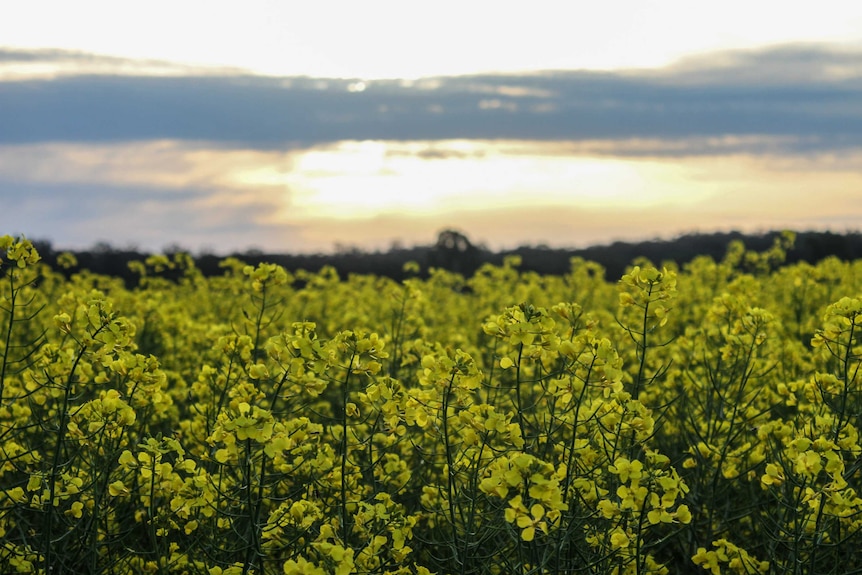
<point>315,126</point>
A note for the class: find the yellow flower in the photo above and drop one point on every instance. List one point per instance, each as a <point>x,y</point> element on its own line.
<point>34,483</point>
<point>127,459</point>
<point>619,539</point>
<point>808,463</point>
<point>75,510</point>
<point>258,371</point>
<point>529,524</point>
<point>707,560</point>
<point>17,495</point>
<point>301,566</point>
<point>627,469</point>
<point>626,299</point>
<point>656,516</point>
<point>608,509</point>
<point>118,488</point>
<point>774,475</point>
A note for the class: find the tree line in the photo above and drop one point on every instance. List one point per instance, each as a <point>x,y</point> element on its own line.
<point>454,251</point>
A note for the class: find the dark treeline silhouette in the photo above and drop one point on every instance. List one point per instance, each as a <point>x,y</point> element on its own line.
<point>454,251</point>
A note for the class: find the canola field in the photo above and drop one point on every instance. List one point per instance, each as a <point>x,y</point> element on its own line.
<point>702,419</point>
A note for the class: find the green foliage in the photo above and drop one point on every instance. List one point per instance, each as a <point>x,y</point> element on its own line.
<point>677,421</point>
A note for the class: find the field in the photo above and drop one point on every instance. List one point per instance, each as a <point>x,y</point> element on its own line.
<point>695,420</point>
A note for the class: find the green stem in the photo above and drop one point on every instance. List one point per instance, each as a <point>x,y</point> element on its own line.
<point>47,543</point>
<point>396,335</point>
<point>151,513</point>
<point>253,546</point>
<point>570,473</point>
<point>450,466</point>
<point>259,322</point>
<point>518,394</point>
<point>12,298</point>
<point>848,353</point>
<point>471,517</point>
<point>345,396</point>
<point>642,346</point>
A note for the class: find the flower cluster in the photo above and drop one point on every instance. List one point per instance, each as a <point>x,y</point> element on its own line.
<point>681,419</point>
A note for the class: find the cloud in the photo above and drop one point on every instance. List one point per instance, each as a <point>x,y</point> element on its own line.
<point>785,64</point>
<point>794,98</point>
<point>506,193</point>
<point>135,155</point>
<point>50,63</point>
<point>79,214</point>
<point>156,163</point>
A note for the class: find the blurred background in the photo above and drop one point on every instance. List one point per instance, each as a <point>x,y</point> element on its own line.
<point>321,127</point>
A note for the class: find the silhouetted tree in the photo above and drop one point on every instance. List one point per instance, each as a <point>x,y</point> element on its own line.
<point>454,251</point>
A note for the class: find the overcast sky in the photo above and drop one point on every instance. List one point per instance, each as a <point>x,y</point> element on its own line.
<point>298,126</point>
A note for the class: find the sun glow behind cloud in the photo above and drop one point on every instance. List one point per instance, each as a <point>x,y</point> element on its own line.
<point>374,192</point>
<point>272,125</point>
<point>371,193</point>
<point>362,180</point>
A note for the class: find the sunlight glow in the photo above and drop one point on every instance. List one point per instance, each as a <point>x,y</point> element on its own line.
<point>366,179</point>
<point>370,193</point>
<point>335,38</point>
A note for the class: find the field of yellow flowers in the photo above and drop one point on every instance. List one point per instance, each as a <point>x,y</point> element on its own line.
<point>695,420</point>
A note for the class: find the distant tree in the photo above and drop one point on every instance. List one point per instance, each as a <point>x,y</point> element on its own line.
<point>455,252</point>
<point>102,247</point>
<point>173,249</point>
<point>453,241</point>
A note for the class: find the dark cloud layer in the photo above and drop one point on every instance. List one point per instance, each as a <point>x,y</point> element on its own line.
<point>807,97</point>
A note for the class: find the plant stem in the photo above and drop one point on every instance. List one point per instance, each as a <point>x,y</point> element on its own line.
<point>13,296</point>
<point>518,394</point>
<point>450,467</point>
<point>47,543</point>
<point>345,396</point>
